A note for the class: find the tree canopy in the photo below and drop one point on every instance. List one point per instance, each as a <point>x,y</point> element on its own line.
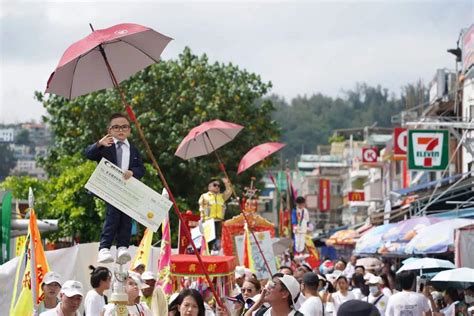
<point>169,98</point>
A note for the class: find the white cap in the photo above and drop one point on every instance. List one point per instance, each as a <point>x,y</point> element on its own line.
<point>148,275</point>
<point>292,285</point>
<point>71,288</point>
<point>52,277</point>
<point>137,279</point>
<point>239,271</point>
<point>374,280</point>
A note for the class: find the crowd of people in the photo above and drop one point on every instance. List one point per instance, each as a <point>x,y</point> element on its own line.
<point>335,288</point>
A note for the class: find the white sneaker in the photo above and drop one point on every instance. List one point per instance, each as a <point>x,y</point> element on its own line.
<point>105,256</point>
<point>123,256</point>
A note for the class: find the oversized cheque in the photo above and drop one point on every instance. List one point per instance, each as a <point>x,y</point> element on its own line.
<point>131,196</point>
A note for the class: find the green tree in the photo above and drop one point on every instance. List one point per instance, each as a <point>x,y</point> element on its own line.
<point>64,198</point>
<point>7,160</point>
<point>169,98</point>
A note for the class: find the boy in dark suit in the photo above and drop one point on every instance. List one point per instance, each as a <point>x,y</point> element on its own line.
<point>116,148</point>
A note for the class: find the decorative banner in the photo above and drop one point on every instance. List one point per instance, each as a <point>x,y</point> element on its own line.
<point>165,258</point>
<point>5,228</point>
<point>356,196</point>
<point>468,49</point>
<point>36,267</point>
<point>265,241</point>
<point>190,220</point>
<point>324,195</point>
<point>314,259</point>
<point>428,149</point>
<point>370,155</point>
<point>143,251</point>
<point>400,141</point>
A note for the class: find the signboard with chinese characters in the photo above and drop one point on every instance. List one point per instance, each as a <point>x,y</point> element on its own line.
<point>428,149</point>
<point>324,195</point>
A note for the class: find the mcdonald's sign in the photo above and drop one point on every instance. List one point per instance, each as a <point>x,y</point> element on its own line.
<point>356,196</point>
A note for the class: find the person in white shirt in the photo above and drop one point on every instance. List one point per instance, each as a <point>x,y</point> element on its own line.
<point>51,286</point>
<point>376,297</point>
<point>312,306</point>
<point>71,298</point>
<point>342,295</point>
<point>95,300</point>
<point>350,267</point>
<point>407,302</point>
<point>359,288</point>
<point>301,226</point>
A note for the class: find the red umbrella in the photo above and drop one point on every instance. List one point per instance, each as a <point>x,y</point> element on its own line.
<point>102,60</point>
<point>257,154</point>
<point>105,58</point>
<point>206,138</point>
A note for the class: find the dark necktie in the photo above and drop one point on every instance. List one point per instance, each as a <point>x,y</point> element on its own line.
<point>119,153</point>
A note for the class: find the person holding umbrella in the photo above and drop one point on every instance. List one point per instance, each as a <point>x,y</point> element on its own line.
<point>116,148</point>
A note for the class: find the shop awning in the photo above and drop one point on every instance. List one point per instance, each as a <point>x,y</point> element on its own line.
<point>430,184</point>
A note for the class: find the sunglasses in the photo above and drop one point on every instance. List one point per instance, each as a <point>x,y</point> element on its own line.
<point>215,184</point>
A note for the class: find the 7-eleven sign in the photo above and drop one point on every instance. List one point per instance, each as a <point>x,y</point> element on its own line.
<point>428,149</point>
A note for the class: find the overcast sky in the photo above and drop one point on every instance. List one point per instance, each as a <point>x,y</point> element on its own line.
<point>302,47</point>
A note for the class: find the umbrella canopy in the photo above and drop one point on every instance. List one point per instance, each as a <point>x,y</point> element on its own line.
<point>345,237</point>
<point>370,263</point>
<point>206,138</point>
<point>257,154</point>
<point>460,278</point>
<point>127,47</point>
<point>437,238</point>
<point>427,264</point>
<point>406,230</point>
<point>372,239</point>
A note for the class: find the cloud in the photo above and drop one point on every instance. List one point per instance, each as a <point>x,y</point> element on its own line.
<point>302,47</point>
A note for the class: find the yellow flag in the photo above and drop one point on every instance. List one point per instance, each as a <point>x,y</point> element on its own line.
<point>36,268</point>
<point>143,251</point>
<point>20,240</point>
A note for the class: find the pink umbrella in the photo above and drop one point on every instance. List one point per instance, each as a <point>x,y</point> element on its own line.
<point>257,154</point>
<point>105,58</point>
<point>206,138</point>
